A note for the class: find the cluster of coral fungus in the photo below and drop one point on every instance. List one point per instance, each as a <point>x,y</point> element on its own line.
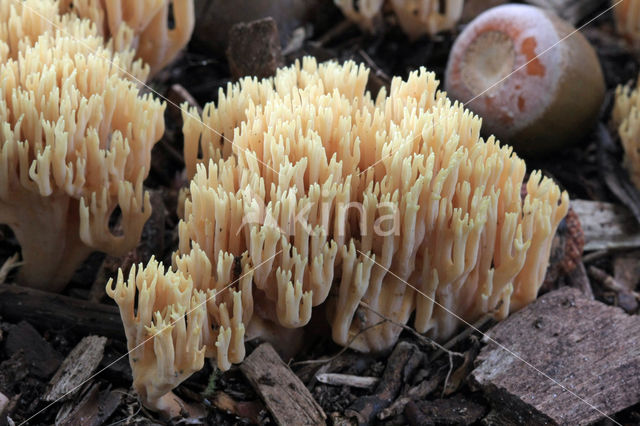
<point>307,191</point>
<point>626,118</point>
<point>415,17</point>
<point>76,136</point>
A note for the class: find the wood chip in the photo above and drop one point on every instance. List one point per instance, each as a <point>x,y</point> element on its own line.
<point>76,368</point>
<point>583,361</point>
<point>606,226</point>
<point>336,379</point>
<point>94,408</point>
<point>452,411</point>
<point>38,354</point>
<point>244,409</point>
<point>283,393</point>
<point>402,363</point>
<point>58,311</point>
<point>4,404</point>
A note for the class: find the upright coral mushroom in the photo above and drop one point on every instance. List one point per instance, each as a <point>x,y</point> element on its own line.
<point>625,118</point>
<point>627,17</point>
<point>415,17</point>
<point>23,22</point>
<point>155,42</point>
<point>322,194</point>
<point>75,144</point>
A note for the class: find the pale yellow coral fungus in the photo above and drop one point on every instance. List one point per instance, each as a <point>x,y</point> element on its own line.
<point>155,42</point>
<point>75,144</point>
<point>627,18</point>
<point>320,194</point>
<point>415,17</point>
<point>626,118</point>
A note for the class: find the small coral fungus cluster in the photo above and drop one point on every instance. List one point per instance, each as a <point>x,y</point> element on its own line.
<point>76,136</point>
<point>415,17</point>
<point>308,192</point>
<point>145,23</point>
<point>625,118</point>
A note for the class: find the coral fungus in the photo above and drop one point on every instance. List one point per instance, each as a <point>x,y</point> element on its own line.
<point>154,41</point>
<point>317,193</point>
<point>625,118</point>
<point>75,144</point>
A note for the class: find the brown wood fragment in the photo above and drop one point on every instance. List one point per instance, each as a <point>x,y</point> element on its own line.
<point>606,226</point>
<point>626,269</point>
<point>582,361</point>
<point>417,392</point>
<point>244,409</point>
<point>76,368</point>
<point>57,311</point>
<point>93,409</point>
<point>625,298</point>
<point>283,393</point>
<point>42,359</point>
<point>401,364</point>
<point>454,381</point>
<point>4,407</point>
<point>336,379</point>
<point>578,279</point>
<point>456,410</point>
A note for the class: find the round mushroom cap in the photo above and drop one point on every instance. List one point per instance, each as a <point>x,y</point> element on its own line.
<point>534,80</point>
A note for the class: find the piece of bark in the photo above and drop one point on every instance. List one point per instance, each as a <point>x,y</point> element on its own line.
<point>254,49</point>
<point>625,298</point>
<point>76,368</point>
<point>454,381</point>
<point>626,269</point>
<point>418,392</point>
<point>13,371</point>
<point>401,364</point>
<point>94,408</point>
<point>574,11</point>
<point>55,311</point>
<point>336,379</point>
<point>40,356</point>
<point>606,226</point>
<point>244,409</point>
<point>579,354</point>
<point>283,393</point>
<point>456,410</point>
<point>4,407</point>
<point>578,279</point>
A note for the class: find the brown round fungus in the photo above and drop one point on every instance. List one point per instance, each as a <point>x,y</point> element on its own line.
<point>536,83</point>
<point>321,194</point>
